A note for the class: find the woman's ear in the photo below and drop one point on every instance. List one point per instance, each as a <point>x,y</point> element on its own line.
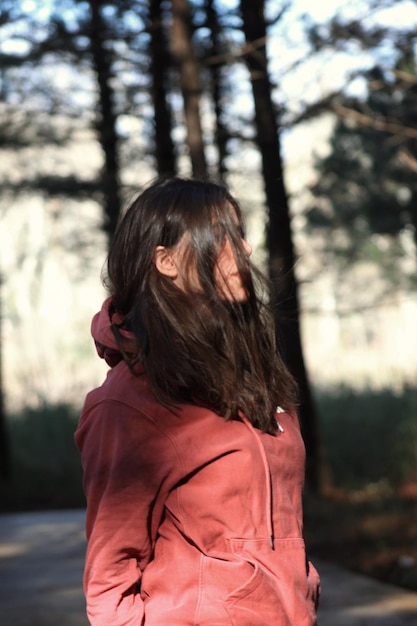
<point>164,262</point>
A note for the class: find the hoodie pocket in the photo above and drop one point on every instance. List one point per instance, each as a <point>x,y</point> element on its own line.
<point>221,576</point>
<point>257,602</point>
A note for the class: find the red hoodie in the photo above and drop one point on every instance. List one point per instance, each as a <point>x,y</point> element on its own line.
<point>191,519</point>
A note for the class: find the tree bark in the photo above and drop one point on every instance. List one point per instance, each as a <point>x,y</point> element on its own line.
<point>185,59</point>
<point>107,118</point>
<point>159,63</point>
<point>215,69</point>
<point>279,236</point>
<point>5,462</point>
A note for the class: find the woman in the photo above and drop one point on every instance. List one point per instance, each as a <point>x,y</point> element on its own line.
<point>192,472</point>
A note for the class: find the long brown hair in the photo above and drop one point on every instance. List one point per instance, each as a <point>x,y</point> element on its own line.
<point>196,347</point>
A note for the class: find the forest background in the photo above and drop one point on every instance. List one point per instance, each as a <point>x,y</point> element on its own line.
<point>309,116</point>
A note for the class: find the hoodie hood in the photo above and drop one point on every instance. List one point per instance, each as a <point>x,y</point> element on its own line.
<point>102,331</point>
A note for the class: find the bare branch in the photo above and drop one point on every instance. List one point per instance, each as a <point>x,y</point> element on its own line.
<point>379,122</point>
<point>408,159</point>
<point>231,57</point>
<point>407,77</point>
<point>279,15</point>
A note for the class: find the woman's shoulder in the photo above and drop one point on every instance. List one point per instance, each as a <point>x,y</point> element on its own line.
<point>123,414</point>
<point>130,396</point>
<point>124,392</point>
<point>126,401</point>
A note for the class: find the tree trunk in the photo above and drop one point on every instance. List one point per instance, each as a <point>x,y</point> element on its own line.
<point>279,237</point>
<point>215,69</point>
<point>159,64</point>
<point>106,121</point>
<point>5,463</point>
<point>183,53</point>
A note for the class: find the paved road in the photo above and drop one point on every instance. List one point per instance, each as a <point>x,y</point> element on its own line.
<point>41,562</point>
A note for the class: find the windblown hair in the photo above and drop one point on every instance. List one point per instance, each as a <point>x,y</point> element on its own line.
<point>196,347</point>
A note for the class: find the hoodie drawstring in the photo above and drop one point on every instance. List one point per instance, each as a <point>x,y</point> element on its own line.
<point>268,504</point>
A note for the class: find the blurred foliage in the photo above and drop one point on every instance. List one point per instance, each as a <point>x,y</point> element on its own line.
<point>366,531</point>
<point>46,468</point>
<point>368,522</point>
<point>366,185</point>
<point>370,436</point>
